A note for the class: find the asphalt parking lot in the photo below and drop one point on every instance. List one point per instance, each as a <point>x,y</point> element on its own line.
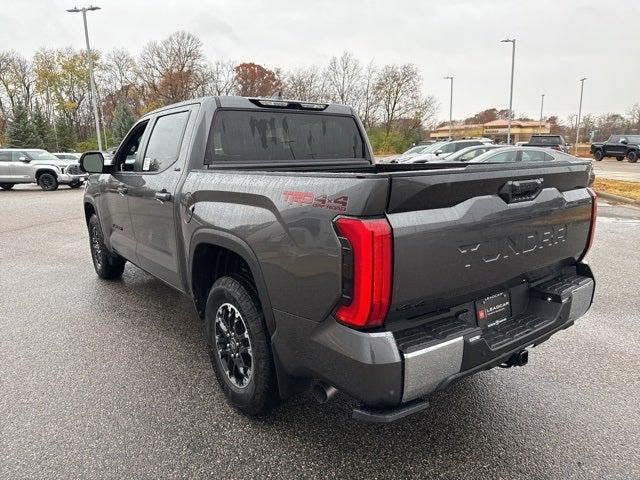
<point>611,168</point>
<point>112,380</point>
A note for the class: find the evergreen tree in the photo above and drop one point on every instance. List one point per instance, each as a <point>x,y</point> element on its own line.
<point>43,129</point>
<point>21,132</point>
<point>123,119</point>
<point>66,134</point>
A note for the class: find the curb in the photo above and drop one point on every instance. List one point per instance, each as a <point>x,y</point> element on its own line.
<point>617,198</point>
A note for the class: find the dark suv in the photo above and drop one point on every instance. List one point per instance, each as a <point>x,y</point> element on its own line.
<point>618,146</point>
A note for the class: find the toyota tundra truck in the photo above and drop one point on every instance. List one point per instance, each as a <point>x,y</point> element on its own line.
<point>312,266</point>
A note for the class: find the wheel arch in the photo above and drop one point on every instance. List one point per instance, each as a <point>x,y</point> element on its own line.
<point>42,170</point>
<point>207,242</point>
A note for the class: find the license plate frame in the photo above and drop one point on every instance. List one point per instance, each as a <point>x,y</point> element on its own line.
<point>493,309</point>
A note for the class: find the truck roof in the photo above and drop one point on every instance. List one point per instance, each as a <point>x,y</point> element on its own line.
<point>258,103</point>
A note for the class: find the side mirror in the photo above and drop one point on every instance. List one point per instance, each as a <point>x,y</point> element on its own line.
<point>438,152</point>
<point>24,159</point>
<point>92,162</point>
<point>624,141</point>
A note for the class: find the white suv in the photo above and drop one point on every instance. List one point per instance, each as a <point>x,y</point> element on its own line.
<point>38,166</point>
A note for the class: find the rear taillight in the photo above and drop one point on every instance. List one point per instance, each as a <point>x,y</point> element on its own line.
<point>367,269</point>
<point>592,228</point>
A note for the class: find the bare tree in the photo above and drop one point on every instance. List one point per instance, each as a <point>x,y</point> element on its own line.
<point>17,81</point>
<point>344,78</point>
<point>173,70</point>
<point>305,84</point>
<point>398,91</point>
<point>369,103</point>
<point>221,78</point>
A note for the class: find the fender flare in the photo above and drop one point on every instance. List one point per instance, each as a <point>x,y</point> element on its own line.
<point>240,247</point>
<point>45,168</point>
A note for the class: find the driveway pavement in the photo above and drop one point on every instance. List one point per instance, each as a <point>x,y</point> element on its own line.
<point>111,380</point>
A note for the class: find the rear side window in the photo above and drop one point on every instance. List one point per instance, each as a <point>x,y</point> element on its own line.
<point>5,156</point>
<point>165,141</point>
<point>535,156</point>
<point>504,157</point>
<point>255,136</point>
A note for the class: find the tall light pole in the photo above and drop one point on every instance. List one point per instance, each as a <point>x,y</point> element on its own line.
<point>575,149</point>
<point>450,108</point>
<point>513,60</point>
<point>94,95</point>
<point>541,109</point>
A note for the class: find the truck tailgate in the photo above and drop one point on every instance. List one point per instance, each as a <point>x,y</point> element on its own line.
<point>466,233</point>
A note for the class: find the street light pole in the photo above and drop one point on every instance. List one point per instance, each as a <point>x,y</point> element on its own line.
<point>513,61</point>
<point>575,149</point>
<point>94,95</point>
<point>541,108</point>
<point>450,108</point>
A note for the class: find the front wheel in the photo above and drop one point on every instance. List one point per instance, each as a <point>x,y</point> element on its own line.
<point>598,155</point>
<point>6,186</point>
<point>632,156</point>
<point>107,265</point>
<point>620,159</point>
<point>76,185</point>
<point>239,346</point>
<point>48,182</point>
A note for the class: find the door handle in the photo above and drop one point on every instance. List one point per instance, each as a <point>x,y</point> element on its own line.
<point>163,196</point>
<point>122,190</point>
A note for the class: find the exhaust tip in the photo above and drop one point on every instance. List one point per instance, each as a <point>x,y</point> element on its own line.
<point>323,392</point>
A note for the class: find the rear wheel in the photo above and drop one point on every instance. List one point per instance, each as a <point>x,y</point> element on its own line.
<point>632,156</point>
<point>620,159</point>
<point>75,185</point>
<point>598,155</point>
<point>6,186</point>
<point>239,346</point>
<point>48,182</point>
<point>107,265</point>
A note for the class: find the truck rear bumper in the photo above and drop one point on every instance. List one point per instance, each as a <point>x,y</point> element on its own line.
<point>387,369</point>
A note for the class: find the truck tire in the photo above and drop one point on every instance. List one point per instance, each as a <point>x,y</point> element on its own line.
<point>6,186</point>
<point>598,155</point>
<point>107,265</point>
<point>76,185</point>
<point>48,182</point>
<point>632,156</point>
<point>239,346</point>
<point>620,159</point>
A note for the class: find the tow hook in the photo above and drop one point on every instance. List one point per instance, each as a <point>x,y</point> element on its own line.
<point>518,359</point>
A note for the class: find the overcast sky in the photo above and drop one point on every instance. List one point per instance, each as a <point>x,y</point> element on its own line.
<point>558,42</point>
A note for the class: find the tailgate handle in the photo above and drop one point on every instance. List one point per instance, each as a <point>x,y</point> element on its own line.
<point>521,190</point>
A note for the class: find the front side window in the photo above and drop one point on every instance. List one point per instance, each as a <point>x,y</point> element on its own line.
<point>447,148</point>
<point>614,139</point>
<point>165,141</point>
<point>504,157</point>
<point>472,154</point>
<point>128,151</point>
<point>262,136</point>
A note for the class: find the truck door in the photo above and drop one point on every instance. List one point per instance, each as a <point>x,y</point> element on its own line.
<point>20,169</point>
<point>152,198</point>
<point>114,206</point>
<point>5,166</point>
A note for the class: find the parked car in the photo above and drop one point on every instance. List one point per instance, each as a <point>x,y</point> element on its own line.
<point>617,146</point>
<point>464,155</point>
<point>413,151</point>
<point>443,150</point>
<point>522,154</point>
<point>555,142</point>
<point>312,265</point>
<point>67,156</point>
<point>38,166</point>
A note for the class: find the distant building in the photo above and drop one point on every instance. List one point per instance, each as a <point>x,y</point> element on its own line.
<point>521,130</point>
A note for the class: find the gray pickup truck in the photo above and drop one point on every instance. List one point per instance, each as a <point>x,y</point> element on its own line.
<point>24,165</point>
<point>313,266</point>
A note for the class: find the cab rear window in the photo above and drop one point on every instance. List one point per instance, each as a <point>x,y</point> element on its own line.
<point>248,136</point>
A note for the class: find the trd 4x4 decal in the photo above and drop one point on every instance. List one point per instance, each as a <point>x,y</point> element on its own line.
<point>297,197</point>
